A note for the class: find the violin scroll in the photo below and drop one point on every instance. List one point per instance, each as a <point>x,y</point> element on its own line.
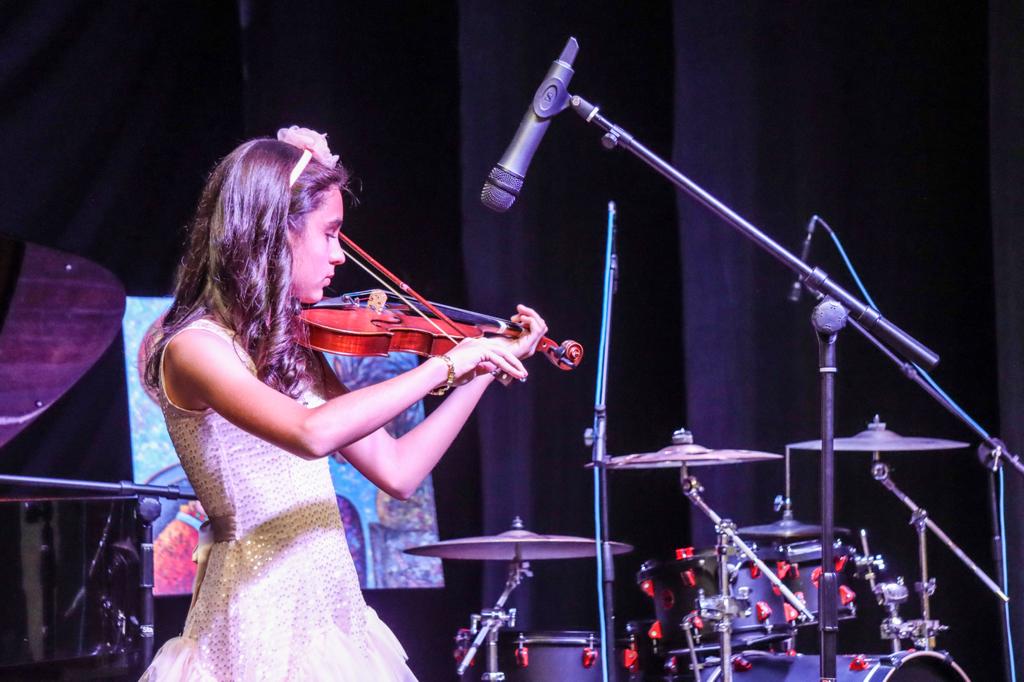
<point>565,356</point>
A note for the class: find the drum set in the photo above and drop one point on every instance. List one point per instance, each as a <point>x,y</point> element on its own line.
<point>732,609</point>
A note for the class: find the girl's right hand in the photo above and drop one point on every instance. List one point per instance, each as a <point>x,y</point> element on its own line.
<point>474,356</point>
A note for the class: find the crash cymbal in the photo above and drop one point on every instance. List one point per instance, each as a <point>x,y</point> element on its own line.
<point>786,529</point>
<point>876,438</point>
<point>516,543</point>
<point>688,454</point>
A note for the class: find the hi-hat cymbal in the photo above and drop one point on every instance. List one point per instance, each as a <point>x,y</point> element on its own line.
<point>513,544</point>
<point>688,454</point>
<point>786,529</point>
<point>876,438</point>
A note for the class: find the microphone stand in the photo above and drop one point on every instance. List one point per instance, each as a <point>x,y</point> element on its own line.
<point>836,306</point>
<point>148,510</point>
<point>597,438</point>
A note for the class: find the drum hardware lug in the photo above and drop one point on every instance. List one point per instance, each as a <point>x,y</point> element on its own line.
<point>589,654</point>
<point>684,553</point>
<point>859,663</point>
<point>629,659</point>
<point>588,437</point>
<point>522,652</point>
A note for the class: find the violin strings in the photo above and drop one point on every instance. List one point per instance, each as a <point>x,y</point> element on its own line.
<point>397,293</point>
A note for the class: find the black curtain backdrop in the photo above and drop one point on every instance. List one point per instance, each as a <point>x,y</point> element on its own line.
<point>900,125</point>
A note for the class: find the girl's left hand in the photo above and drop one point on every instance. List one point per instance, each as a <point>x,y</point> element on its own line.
<point>534,330</point>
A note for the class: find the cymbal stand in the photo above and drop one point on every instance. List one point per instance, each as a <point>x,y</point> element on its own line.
<point>925,629</point>
<point>493,620</point>
<point>723,608</point>
<point>889,596</point>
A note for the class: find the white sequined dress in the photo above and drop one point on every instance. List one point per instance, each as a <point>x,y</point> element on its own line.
<point>282,600</point>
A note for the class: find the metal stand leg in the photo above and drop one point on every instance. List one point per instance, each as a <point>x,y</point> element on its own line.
<point>828,319</point>
<point>926,586</point>
<point>148,510</point>
<point>724,626</point>
<point>492,674</point>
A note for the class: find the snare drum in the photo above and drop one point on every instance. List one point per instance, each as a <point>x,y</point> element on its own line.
<point>905,666</point>
<point>563,655</point>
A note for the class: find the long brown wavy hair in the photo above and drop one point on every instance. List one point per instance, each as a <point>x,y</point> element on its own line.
<point>238,263</point>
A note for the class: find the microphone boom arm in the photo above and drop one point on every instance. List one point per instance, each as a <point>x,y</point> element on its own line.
<point>816,280</point>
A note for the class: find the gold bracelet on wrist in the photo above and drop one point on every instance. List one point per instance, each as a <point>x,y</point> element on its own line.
<point>441,390</point>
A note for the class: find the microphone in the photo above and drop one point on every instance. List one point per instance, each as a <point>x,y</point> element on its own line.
<point>805,249</point>
<point>552,97</point>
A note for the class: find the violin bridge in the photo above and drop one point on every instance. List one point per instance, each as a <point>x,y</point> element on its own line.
<point>376,300</point>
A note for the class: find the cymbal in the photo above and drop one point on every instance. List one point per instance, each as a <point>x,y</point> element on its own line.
<point>877,438</point>
<point>689,454</point>
<point>786,529</point>
<point>506,546</point>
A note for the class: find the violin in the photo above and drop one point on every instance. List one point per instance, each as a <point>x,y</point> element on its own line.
<point>375,322</point>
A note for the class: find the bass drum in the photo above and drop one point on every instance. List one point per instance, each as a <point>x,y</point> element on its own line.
<point>905,666</point>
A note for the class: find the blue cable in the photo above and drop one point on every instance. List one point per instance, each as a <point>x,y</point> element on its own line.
<point>1006,574</point>
<point>938,389</point>
<point>600,392</point>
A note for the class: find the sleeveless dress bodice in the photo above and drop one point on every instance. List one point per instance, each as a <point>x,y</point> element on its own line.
<point>280,600</point>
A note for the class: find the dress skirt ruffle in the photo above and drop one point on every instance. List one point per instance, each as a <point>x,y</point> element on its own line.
<point>328,656</point>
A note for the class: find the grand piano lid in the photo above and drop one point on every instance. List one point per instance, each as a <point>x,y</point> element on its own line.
<point>58,314</point>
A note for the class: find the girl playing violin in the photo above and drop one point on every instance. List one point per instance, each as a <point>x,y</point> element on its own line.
<point>253,415</point>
